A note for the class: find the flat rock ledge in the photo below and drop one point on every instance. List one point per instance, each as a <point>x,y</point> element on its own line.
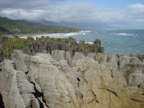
<point>60,80</point>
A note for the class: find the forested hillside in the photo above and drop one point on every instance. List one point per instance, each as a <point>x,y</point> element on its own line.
<point>8,26</point>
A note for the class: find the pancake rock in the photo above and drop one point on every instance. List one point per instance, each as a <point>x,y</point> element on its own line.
<point>62,80</point>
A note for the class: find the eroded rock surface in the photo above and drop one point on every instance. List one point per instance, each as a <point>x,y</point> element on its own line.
<point>61,80</point>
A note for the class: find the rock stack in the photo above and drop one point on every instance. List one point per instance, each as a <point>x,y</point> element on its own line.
<point>47,46</point>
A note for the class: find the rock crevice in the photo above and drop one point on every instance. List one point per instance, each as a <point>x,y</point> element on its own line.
<point>60,80</point>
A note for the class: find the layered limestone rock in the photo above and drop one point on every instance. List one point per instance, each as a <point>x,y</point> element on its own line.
<point>61,80</point>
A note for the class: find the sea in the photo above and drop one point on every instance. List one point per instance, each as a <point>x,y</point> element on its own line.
<point>117,41</point>
<point>113,41</point>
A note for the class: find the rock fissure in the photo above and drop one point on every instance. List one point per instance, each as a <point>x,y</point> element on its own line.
<point>113,92</point>
<point>39,95</point>
<point>111,73</point>
<point>1,101</point>
<point>84,83</point>
<point>78,81</point>
<point>14,65</point>
<point>95,97</point>
<point>136,100</point>
<point>26,72</point>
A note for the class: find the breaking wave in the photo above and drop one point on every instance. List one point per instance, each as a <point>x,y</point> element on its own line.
<point>58,35</point>
<point>124,34</point>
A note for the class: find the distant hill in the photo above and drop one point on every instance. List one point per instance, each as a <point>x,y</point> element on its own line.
<point>3,31</point>
<point>8,26</point>
<point>50,23</point>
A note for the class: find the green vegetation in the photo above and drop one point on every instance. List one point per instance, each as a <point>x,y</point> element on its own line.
<point>8,26</point>
<point>3,31</point>
<point>15,44</point>
<point>43,38</point>
<point>32,46</point>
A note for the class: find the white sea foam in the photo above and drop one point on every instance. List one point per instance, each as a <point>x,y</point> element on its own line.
<point>58,35</point>
<point>89,42</point>
<point>124,34</point>
<point>86,42</point>
<point>86,31</point>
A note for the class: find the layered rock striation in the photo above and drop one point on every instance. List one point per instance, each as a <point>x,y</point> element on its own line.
<point>43,44</point>
<point>67,44</point>
<point>62,80</point>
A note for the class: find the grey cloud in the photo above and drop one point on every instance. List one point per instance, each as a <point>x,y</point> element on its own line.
<point>79,11</point>
<point>25,4</point>
<point>22,14</point>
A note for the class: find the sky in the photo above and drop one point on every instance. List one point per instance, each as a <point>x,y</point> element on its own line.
<point>122,14</point>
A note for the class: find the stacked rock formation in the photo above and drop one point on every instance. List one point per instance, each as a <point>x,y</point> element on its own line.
<point>70,44</point>
<point>31,46</point>
<point>2,51</point>
<point>59,80</point>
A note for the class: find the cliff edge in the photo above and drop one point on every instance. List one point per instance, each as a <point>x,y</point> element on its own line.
<point>59,80</point>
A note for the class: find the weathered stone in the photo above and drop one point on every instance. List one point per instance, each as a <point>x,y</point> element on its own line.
<point>132,68</point>
<point>101,58</point>
<point>1,53</point>
<point>21,60</point>
<point>30,48</point>
<point>59,80</point>
<point>9,88</point>
<point>4,39</point>
<point>58,54</point>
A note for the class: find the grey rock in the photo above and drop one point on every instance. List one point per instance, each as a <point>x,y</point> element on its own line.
<point>9,88</point>
<point>59,80</point>
<point>30,48</point>
<point>21,60</point>
<point>1,53</point>
<point>101,58</point>
<point>58,54</point>
<point>132,68</point>
<point>4,39</point>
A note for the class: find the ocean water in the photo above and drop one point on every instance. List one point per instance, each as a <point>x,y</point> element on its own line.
<point>116,41</point>
<point>113,41</point>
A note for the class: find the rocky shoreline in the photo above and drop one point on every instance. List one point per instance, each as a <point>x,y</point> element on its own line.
<point>60,80</point>
<point>32,46</point>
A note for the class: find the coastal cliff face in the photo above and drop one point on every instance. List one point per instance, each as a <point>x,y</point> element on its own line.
<point>60,80</point>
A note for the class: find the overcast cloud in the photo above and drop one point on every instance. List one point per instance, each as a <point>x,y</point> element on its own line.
<point>78,11</point>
